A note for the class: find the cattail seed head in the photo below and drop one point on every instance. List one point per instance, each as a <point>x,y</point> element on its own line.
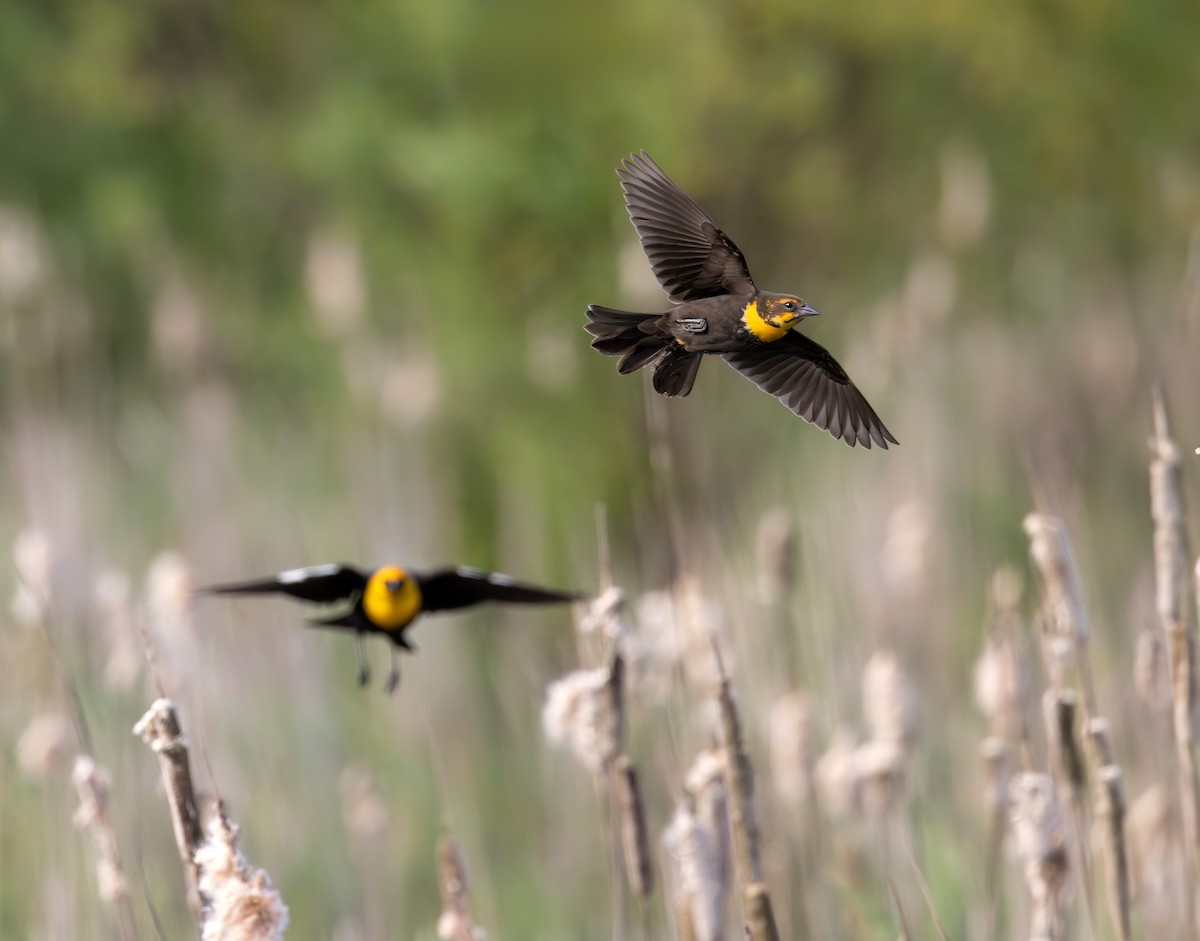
<point>1040,838</point>
<point>241,903</point>
<point>793,746</point>
<point>696,876</point>
<point>889,702</point>
<point>1050,549</point>
<point>578,713</point>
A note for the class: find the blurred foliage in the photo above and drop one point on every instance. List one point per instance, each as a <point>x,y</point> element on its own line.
<point>991,203</point>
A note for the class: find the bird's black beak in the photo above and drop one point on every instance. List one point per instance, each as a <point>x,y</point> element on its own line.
<point>806,311</point>
<point>394,584</point>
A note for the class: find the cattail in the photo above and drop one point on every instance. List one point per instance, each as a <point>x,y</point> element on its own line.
<point>455,922</point>
<point>606,614</point>
<point>159,728</point>
<point>113,595</point>
<point>1156,861</point>
<point>580,713</point>
<point>240,902</point>
<point>32,559</point>
<point>1100,741</point>
<point>906,552</point>
<point>696,876</point>
<point>708,798</point>
<point>639,867</point>
<point>889,703</point>
<point>364,810</point>
<point>1002,683</point>
<point>1051,552</point>
<point>1171,560</point>
<point>1040,838</point>
<point>1110,814</point>
<point>1171,553</point>
<point>793,747</point>
<point>93,782</point>
<point>994,753</point>
<point>1061,709</point>
<point>676,629</point>
<point>44,744</point>
<point>1152,670</point>
<point>839,785</point>
<point>739,781</point>
<point>880,766</point>
<point>775,544</point>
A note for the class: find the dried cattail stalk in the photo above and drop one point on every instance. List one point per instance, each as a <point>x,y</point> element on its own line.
<point>1152,670</point>
<point>240,902</point>
<point>159,728</point>
<point>1171,553</point>
<point>1066,619</point>
<point>639,867</point>
<point>696,877</point>
<point>1040,836</point>
<point>1171,559</point>
<point>1110,813</point>
<point>93,782</point>
<point>455,922</point>
<point>739,780</point>
<point>1100,739</point>
<point>760,919</point>
<point>1061,710</point>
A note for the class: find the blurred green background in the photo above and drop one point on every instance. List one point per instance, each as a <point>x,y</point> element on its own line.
<point>283,284</point>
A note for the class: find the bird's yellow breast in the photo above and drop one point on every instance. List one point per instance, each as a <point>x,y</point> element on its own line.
<point>388,608</point>
<point>759,326</point>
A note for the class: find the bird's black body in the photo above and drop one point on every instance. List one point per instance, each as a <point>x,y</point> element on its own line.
<point>387,600</point>
<point>721,311</point>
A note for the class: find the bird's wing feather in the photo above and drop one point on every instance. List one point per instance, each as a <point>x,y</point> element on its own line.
<point>689,253</point>
<point>317,583</point>
<point>448,588</point>
<point>804,377</point>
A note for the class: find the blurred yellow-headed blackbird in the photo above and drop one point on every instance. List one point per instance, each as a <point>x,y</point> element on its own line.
<point>721,311</point>
<point>387,600</point>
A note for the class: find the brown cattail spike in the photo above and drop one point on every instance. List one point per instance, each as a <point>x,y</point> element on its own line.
<point>639,867</point>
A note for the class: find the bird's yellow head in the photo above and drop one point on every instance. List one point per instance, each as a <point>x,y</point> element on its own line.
<point>783,310</point>
<point>769,316</point>
<point>391,599</point>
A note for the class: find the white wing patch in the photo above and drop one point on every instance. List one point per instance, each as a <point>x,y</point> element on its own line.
<point>295,576</point>
<point>492,578</point>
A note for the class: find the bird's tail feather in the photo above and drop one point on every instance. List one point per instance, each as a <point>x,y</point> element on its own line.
<point>626,334</point>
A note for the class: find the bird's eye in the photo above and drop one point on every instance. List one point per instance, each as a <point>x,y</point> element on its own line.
<point>789,305</point>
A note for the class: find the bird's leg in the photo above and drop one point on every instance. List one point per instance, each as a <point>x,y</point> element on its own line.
<point>364,672</point>
<point>393,678</point>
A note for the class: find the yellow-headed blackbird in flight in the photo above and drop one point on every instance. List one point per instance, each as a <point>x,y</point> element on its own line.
<point>387,600</point>
<point>721,311</point>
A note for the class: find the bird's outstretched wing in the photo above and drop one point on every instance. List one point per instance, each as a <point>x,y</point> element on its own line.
<point>449,588</point>
<point>804,377</point>
<point>689,253</point>
<point>318,583</point>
